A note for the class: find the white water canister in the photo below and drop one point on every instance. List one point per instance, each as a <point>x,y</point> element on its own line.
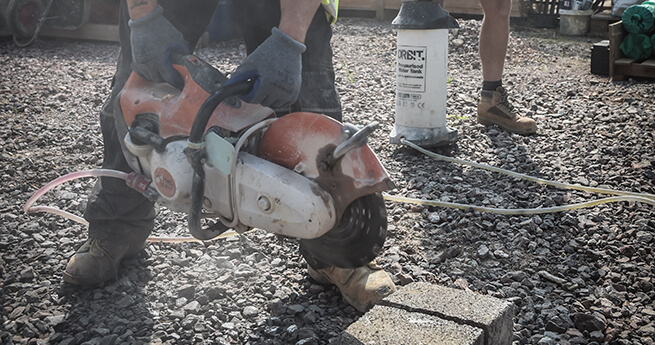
<point>421,74</point>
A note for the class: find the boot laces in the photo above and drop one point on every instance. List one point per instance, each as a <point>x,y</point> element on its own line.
<point>97,249</point>
<point>504,101</point>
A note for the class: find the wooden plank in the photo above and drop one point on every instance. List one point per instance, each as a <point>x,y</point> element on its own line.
<point>624,61</point>
<point>379,9</point>
<point>392,4</point>
<point>616,34</point>
<point>463,7</point>
<point>369,4</point>
<point>357,4</point>
<point>635,70</point>
<point>95,32</point>
<point>473,7</point>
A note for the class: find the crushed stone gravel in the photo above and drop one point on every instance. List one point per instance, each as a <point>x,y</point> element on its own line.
<point>576,277</point>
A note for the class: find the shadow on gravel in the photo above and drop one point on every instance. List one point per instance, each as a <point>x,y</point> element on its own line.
<point>115,313</point>
<point>464,247</point>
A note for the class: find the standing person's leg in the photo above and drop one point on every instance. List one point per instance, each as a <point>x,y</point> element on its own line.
<point>120,219</point>
<point>494,107</point>
<point>494,37</point>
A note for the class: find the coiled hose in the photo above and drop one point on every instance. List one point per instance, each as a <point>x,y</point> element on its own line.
<point>620,195</point>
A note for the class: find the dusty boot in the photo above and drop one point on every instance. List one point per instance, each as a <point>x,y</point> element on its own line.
<point>361,287</point>
<point>97,261</point>
<point>494,109</point>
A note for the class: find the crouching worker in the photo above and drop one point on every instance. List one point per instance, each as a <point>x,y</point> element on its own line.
<point>288,44</point>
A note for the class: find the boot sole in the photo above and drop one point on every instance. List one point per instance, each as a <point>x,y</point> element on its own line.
<point>88,280</point>
<point>85,281</point>
<point>526,131</point>
<point>321,278</point>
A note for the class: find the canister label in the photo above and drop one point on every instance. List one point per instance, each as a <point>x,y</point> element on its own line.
<point>410,68</point>
<point>421,71</point>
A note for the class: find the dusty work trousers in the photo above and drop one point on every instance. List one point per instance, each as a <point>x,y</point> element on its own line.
<point>116,211</point>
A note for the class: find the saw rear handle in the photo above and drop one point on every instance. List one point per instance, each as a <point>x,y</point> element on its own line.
<point>144,133</point>
<point>197,157</point>
<point>208,107</point>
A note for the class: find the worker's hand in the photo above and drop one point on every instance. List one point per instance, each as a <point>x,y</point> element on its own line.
<point>276,65</point>
<point>153,39</point>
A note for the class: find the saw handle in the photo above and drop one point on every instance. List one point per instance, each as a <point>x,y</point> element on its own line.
<point>196,155</point>
<point>208,107</point>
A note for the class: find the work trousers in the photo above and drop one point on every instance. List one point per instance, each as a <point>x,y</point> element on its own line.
<point>115,210</point>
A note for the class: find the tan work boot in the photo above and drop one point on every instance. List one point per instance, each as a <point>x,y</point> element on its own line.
<point>494,109</point>
<point>361,287</point>
<point>97,261</point>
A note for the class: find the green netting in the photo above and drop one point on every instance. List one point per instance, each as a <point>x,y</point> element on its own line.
<point>637,46</point>
<point>639,19</point>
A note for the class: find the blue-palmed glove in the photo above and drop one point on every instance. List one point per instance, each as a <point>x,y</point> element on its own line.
<point>276,66</point>
<point>153,39</point>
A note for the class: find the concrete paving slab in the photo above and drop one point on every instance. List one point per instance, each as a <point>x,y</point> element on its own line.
<point>392,326</point>
<point>492,315</point>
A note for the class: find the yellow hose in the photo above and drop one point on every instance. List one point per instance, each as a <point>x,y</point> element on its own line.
<point>518,211</point>
<point>171,239</point>
<point>623,196</point>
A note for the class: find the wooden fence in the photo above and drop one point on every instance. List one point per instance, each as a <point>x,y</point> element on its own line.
<point>470,7</point>
<point>101,26</point>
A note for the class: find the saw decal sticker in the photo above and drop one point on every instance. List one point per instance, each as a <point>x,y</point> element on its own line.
<point>164,182</point>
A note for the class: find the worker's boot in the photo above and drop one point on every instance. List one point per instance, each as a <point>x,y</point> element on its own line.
<point>495,109</point>
<point>97,261</point>
<point>361,287</point>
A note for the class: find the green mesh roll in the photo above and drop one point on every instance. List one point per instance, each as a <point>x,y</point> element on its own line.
<point>637,46</point>
<point>652,43</point>
<point>639,19</point>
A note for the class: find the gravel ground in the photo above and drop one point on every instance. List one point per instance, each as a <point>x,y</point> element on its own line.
<point>576,277</point>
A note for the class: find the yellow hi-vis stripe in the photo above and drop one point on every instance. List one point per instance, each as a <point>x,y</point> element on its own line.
<point>331,8</point>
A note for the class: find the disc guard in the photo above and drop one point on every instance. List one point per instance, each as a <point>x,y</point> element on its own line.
<point>356,240</point>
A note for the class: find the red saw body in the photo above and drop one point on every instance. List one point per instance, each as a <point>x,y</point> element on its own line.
<point>177,109</point>
<point>211,155</point>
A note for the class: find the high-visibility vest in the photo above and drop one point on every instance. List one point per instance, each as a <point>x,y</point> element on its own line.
<point>331,10</point>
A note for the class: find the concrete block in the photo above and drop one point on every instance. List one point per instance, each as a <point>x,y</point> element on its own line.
<point>492,315</point>
<point>422,313</point>
<point>392,326</point>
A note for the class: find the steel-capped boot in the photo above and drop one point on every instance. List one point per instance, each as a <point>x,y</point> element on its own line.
<point>495,109</point>
<point>97,261</point>
<point>361,287</point>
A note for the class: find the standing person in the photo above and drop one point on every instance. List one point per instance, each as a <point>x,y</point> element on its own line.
<point>494,107</point>
<point>289,53</point>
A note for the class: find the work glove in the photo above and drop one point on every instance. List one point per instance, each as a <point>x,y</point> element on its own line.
<point>153,39</point>
<point>276,66</point>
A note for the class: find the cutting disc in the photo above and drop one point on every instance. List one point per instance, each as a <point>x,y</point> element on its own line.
<point>357,239</point>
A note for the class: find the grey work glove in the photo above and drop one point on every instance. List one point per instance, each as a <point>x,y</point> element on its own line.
<point>153,39</point>
<point>276,65</point>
